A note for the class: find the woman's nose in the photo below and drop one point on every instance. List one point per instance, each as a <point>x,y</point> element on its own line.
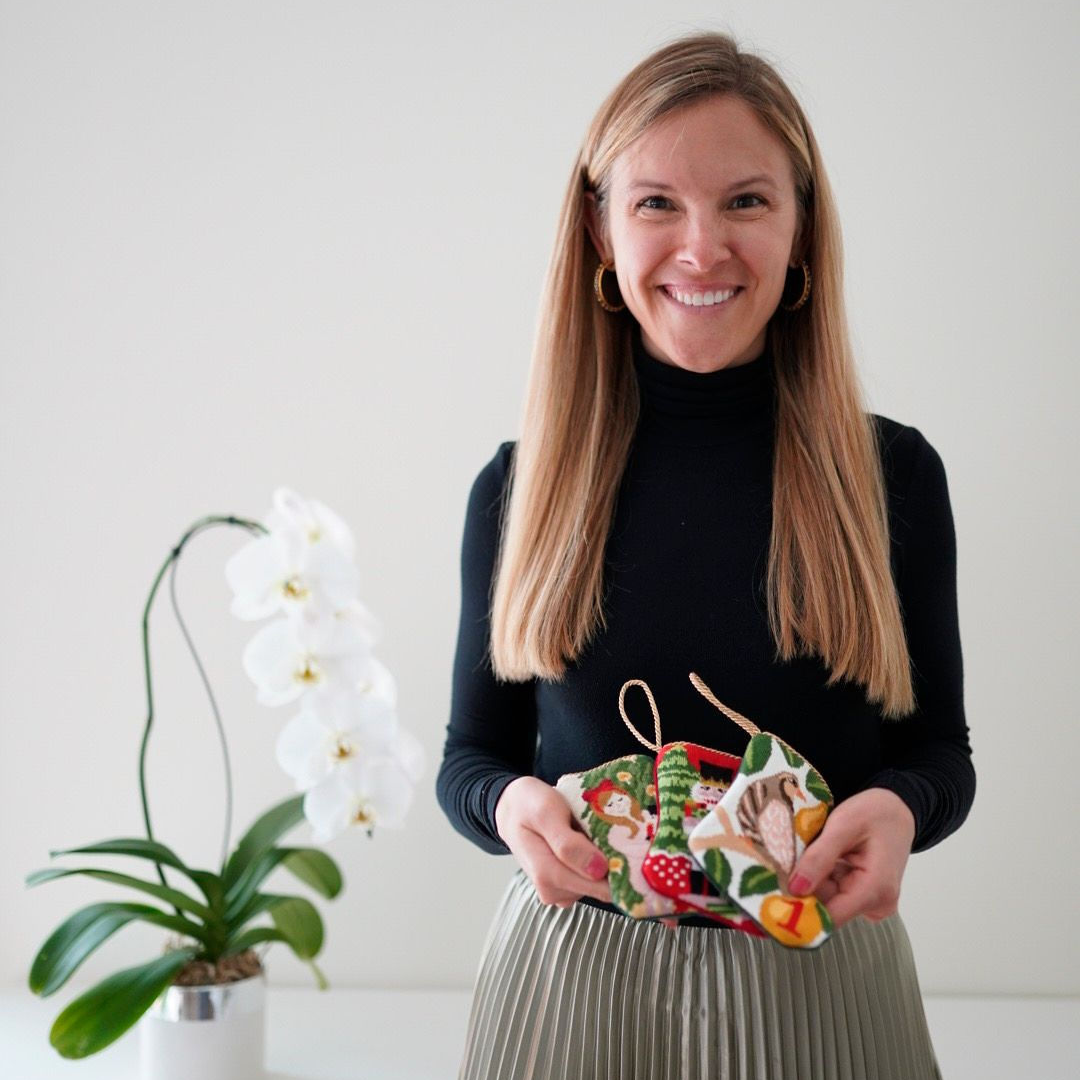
<point>705,242</point>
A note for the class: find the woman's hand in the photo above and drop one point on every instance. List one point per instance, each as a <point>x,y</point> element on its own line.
<point>535,823</point>
<point>855,864</point>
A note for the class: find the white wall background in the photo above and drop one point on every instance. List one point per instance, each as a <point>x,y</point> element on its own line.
<point>248,244</point>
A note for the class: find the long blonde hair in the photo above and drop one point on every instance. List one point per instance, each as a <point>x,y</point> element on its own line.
<point>830,586</point>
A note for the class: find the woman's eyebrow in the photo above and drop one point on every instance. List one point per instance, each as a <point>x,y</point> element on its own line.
<point>658,185</point>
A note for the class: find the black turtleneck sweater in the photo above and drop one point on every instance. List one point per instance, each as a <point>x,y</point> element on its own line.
<point>685,591</point>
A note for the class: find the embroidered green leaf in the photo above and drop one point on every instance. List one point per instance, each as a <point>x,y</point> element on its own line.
<point>818,788</point>
<point>790,756</point>
<point>623,894</point>
<point>724,907</point>
<point>718,869</point>
<point>826,920</point>
<point>757,754</point>
<point>757,880</point>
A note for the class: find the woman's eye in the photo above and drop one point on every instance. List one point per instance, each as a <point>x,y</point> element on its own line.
<point>750,206</point>
<point>649,200</point>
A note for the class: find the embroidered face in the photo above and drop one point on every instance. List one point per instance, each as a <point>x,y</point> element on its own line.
<point>617,804</point>
<point>700,220</point>
<point>707,792</point>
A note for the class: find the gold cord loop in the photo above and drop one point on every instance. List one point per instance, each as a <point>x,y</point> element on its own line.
<point>652,705</point>
<point>748,726</point>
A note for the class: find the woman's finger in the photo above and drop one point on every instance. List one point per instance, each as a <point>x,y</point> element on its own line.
<point>554,881</point>
<point>863,891</point>
<point>839,837</point>
<point>576,851</point>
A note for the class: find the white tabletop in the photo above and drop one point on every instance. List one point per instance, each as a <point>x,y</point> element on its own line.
<point>339,1034</point>
<point>344,1034</point>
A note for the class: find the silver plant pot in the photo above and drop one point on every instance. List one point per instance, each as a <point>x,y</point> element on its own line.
<point>208,1032</point>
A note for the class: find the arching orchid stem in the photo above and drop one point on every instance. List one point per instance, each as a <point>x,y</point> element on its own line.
<point>170,562</point>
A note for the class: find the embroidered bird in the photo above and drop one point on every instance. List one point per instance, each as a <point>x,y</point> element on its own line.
<point>766,815</point>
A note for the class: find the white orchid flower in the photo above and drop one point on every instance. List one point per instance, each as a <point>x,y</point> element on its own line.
<point>327,732</point>
<point>352,626</point>
<point>304,562</point>
<point>288,657</point>
<point>315,521</point>
<point>362,621</point>
<point>375,792</point>
<point>345,748</point>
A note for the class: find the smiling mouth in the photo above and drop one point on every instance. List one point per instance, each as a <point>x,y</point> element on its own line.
<point>700,299</point>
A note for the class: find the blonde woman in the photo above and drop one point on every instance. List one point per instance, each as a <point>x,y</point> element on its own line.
<point>699,487</point>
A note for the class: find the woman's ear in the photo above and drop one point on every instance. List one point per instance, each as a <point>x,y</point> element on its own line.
<point>594,228</point>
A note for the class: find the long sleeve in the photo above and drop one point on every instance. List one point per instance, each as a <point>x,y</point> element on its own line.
<point>491,735</point>
<point>927,755</point>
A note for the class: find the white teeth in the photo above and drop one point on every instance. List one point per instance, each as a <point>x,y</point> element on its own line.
<point>701,300</point>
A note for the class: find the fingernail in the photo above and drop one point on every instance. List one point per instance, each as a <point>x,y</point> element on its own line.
<point>598,867</point>
<point>799,885</point>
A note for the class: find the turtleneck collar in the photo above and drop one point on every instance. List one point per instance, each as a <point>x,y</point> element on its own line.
<point>703,405</point>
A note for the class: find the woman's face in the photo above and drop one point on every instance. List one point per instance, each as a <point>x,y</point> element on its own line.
<point>618,805</point>
<point>701,223</point>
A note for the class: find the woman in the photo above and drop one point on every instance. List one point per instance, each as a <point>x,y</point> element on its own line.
<point>698,487</point>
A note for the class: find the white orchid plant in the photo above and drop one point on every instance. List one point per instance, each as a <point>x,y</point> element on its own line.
<point>351,761</point>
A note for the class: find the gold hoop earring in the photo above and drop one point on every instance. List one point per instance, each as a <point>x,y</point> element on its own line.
<point>598,286</point>
<point>805,291</point>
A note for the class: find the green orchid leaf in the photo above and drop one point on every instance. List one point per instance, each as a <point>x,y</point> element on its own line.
<point>101,1015</point>
<point>142,849</point>
<point>266,831</point>
<point>163,892</point>
<point>78,936</point>
<point>212,889</point>
<point>255,936</point>
<point>260,934</point>
<point>300,924</point>
<point>249,881</point>
<point>315,868</point>
<point>310,865</point>
<point>296,922</point>
<point>209,883</point>
<point>320,978</point>
<point>259,903</point>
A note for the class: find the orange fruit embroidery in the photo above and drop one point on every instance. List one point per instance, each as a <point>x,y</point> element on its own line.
<point>792,920</point>
<point>809,820</point>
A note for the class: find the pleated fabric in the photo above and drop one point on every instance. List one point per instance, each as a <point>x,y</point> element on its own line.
<point>584,994</point>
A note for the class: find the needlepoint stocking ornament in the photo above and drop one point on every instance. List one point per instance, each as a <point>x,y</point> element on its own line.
<point>696,831</point>
<point>750,841</point>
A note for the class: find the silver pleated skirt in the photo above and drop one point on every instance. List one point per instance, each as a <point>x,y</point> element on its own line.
<point>584,994</point>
